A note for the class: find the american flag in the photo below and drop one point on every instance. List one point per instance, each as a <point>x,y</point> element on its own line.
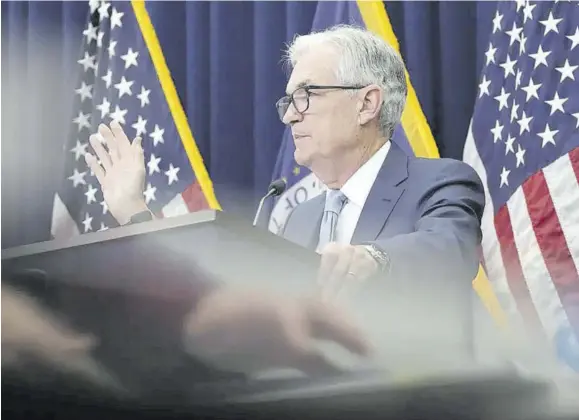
<point>124,78</point>
<point>523,141</point>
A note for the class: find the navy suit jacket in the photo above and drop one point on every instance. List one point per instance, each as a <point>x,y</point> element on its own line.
<point>426,215</point>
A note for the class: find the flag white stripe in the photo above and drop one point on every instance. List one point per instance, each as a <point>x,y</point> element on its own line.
<point>541,288</point>
<point>63,225</point>
<point>564,188</point>
<point>175,207</point>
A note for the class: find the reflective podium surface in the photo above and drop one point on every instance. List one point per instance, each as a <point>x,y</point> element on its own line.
<point>482,395</point>
<point>133,306</point>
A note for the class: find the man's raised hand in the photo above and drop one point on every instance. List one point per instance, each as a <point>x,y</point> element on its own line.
<point>120,172</point>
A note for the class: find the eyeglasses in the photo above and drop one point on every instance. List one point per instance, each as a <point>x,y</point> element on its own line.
<point>300,98</point>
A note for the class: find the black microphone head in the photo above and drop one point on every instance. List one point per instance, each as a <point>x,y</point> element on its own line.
<point>277,187</point>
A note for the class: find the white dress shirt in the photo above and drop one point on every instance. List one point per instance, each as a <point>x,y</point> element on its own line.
<point>356,189</point>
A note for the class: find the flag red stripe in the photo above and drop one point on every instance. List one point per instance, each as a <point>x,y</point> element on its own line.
<point>514,270</point>
<point>194,198</point>
<point>549,233</point>
<point>574,157</point>
<point>551,239</point>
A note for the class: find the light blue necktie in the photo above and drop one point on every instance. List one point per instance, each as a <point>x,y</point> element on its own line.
<point>335,200</point>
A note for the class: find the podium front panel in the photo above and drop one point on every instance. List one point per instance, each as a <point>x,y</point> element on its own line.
<point>139,257</point>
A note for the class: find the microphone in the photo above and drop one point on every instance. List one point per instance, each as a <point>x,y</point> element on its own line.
<point>275,189</point>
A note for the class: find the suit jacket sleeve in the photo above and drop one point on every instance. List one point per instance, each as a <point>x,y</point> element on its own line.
<point>446,242</point>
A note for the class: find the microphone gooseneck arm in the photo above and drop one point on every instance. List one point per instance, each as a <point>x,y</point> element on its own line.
<point>265,197</point>
<point>276,188</point>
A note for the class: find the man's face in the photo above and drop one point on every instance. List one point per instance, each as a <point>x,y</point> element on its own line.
<point>329,125</point>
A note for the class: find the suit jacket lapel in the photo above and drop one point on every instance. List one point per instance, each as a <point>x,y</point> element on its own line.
<point>383,196</point>
<point>306,222</point>
<point>313,224</point>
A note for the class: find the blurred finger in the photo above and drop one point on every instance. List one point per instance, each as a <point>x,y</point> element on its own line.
<point>328,260</point>
<point>111,142</point>
<point>361,268</point>
<point>339,276</point>
<point>106,134</point>
<point>326,323</point>
<point>97,169</point>
<point>342,264</point>
<point>138,144</point>
<point>100,151</point>
<point>346,287</point>
<point>349,287</point>
<point>303,355</point>
<point>121,140</point>
<point>315,363</point>
<point>60,343</point>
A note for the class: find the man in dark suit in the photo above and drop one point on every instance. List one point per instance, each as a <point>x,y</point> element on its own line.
<point>384,211</point>
<point>415,222</point>
<point>398,235</point>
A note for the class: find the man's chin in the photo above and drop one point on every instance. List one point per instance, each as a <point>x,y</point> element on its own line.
<point>301,159</point>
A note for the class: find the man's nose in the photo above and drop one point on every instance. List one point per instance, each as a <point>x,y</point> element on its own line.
<point>291,116</point>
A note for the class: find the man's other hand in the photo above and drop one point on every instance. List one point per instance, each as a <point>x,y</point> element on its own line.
<point>250,331</point>
<point>343,268</point>
<point>120,172</point>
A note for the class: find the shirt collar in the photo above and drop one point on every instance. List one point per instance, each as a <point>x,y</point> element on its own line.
<point>360,183</point>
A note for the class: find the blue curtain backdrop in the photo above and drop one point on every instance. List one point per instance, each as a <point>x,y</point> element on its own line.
<point>225,62</point>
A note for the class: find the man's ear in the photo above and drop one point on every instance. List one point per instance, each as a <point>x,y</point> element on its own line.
<point>369,104</point>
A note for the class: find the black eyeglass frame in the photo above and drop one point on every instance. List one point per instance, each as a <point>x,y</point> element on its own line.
<point>284,102</point>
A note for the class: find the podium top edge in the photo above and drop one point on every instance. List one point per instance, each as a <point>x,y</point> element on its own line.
<point>200,217</point>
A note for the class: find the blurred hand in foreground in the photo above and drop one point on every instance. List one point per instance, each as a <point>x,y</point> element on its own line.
<point>31,333</point>
<point>252,331</point>
<point>121,171</point>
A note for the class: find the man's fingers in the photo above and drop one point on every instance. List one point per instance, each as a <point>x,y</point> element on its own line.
<point>100,151</point>
<point>138,144</point>
<point>339,274</point>
<point>351,284</point>
<point>121,140</point>
<point>360,268</point>
<point>362,265</point>
<point>342,264</point>
<point>95,167</point>
<point>338,279</point>
<point>327,323</point>
<point>111,142</point>
<point>336,261</point>
<point>329,259</point>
